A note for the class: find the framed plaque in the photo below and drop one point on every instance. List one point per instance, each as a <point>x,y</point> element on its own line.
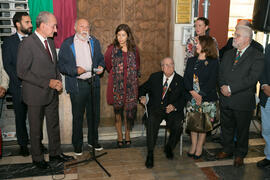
<point>183,11</point>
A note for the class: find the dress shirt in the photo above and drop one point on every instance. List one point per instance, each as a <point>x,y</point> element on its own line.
<point>42,39</point>
<point>83,56</point>
<point>21,36</point>
<point>169,81</point>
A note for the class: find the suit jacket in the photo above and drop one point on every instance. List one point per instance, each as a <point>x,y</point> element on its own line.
<point>229,46</point>
<point>207,72</point>
<point>242,78</point>
<point>35,68</point>
<point>175,93</point>
<point>67,62</point>
<point>9,52</point>
<point>265,77</point>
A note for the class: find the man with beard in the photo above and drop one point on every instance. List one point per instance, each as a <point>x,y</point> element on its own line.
<point>79,55</point>
<point>239,73</point>
<point>22,22</point>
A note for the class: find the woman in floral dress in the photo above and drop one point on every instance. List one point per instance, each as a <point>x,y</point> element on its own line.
<point>200,80</point>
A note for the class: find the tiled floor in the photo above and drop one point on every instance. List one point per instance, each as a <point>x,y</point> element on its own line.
<point>128,164</point>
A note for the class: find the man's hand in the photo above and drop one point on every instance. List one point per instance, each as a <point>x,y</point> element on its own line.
<point>170,108</point>
<point>143,100</point>
<point>225,90</point>
<point>2,92</point>
<point>266,90</point>
<point>80,70</point>
<point>100,68</point>
<point>56,84</point>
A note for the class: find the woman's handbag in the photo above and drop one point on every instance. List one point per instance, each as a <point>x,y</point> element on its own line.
<point>198,121</point>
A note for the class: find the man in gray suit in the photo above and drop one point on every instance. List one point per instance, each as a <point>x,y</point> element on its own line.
<point>239,73</point>
<point>41,84</point>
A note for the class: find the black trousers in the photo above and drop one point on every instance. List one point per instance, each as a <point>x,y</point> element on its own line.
<point>36,116</point>
<point>82,102</point>
<point>20,110</point>
<point>235,121</point>
<point>173,121</point>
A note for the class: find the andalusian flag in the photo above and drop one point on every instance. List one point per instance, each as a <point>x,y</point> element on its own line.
<point>65,12</point>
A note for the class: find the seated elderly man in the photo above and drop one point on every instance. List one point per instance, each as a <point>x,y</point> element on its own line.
<point>166,101</point>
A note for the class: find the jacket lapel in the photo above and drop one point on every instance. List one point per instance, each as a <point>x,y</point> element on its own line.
<point>40,45</point>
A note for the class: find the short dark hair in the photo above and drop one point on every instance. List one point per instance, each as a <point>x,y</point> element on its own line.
<point>209,46</point>
<point>130,40</point>
<point>18,17</point>
<point>205,20</point>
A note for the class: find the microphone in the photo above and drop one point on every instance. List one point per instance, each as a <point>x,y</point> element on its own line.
<point>97,70</point>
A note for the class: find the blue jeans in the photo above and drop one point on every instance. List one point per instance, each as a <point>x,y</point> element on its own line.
<point>265,111</point>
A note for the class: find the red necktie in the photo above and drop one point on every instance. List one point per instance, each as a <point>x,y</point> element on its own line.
<point>165,86</point>
<point>237,57</point>
<point>47,49</point>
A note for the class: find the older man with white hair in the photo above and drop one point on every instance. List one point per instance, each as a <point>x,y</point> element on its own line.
<point>239,73</point>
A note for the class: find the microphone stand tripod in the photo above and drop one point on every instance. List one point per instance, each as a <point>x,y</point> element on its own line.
<point>92,151</point>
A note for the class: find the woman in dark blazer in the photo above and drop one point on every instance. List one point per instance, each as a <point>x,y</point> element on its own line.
<point>200,81</point>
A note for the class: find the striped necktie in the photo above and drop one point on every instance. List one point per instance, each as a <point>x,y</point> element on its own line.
<point>165,86</point>
<point>238,55</point>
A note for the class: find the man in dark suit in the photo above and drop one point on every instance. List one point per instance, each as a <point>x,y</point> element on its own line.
<point>240,70</point>
<point>166,101</point>
<point>22,22</point>
<point>265,108</point>
<point>79,55</point>
<point>229,44</point>
<point>41,84</point>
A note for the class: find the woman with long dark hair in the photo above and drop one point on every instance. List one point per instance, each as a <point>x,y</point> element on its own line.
<point>122,62</point>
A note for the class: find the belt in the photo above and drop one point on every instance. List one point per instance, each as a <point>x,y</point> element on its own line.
<point>88,80</point>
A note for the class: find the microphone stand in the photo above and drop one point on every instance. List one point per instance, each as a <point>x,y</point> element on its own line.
<point>92,151</point>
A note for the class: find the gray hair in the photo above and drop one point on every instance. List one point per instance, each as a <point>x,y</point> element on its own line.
<point>161,62</point>
<point>245,22</point>
<point>247,31</point>
<point>43,17</point>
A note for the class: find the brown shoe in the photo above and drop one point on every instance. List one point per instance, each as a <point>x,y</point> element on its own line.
<point>223,155</point>
<point>238,162</point>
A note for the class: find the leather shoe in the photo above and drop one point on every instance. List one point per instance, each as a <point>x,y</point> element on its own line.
<point>149,163</point>
<point>61,158</point>
<point>168,152</point>
<point>223,155</point>
<point>238,162</point>
<point>24,151</point>
<point>41,164</point>
<point>263,163</point>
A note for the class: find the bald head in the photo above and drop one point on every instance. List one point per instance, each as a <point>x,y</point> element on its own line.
<point>82,29</point>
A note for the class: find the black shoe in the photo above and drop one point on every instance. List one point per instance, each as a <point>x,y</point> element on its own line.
<point>197,157</point>
<point>168,152</point>
<point>149,163</point>
<point>190,155</point>
<point>41,164</point>
<point>128,143</point>
<point>24,151</point>
<point>120,144</point>
<point>263,163</point>
<point>61,158</point>
<point>43,149</point>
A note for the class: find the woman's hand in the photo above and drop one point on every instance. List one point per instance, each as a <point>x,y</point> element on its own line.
<point>197,97</point>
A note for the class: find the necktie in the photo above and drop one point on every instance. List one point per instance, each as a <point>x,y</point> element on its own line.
<point>165,86</point>
<point>237,57</point>
<point>47,49</point>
